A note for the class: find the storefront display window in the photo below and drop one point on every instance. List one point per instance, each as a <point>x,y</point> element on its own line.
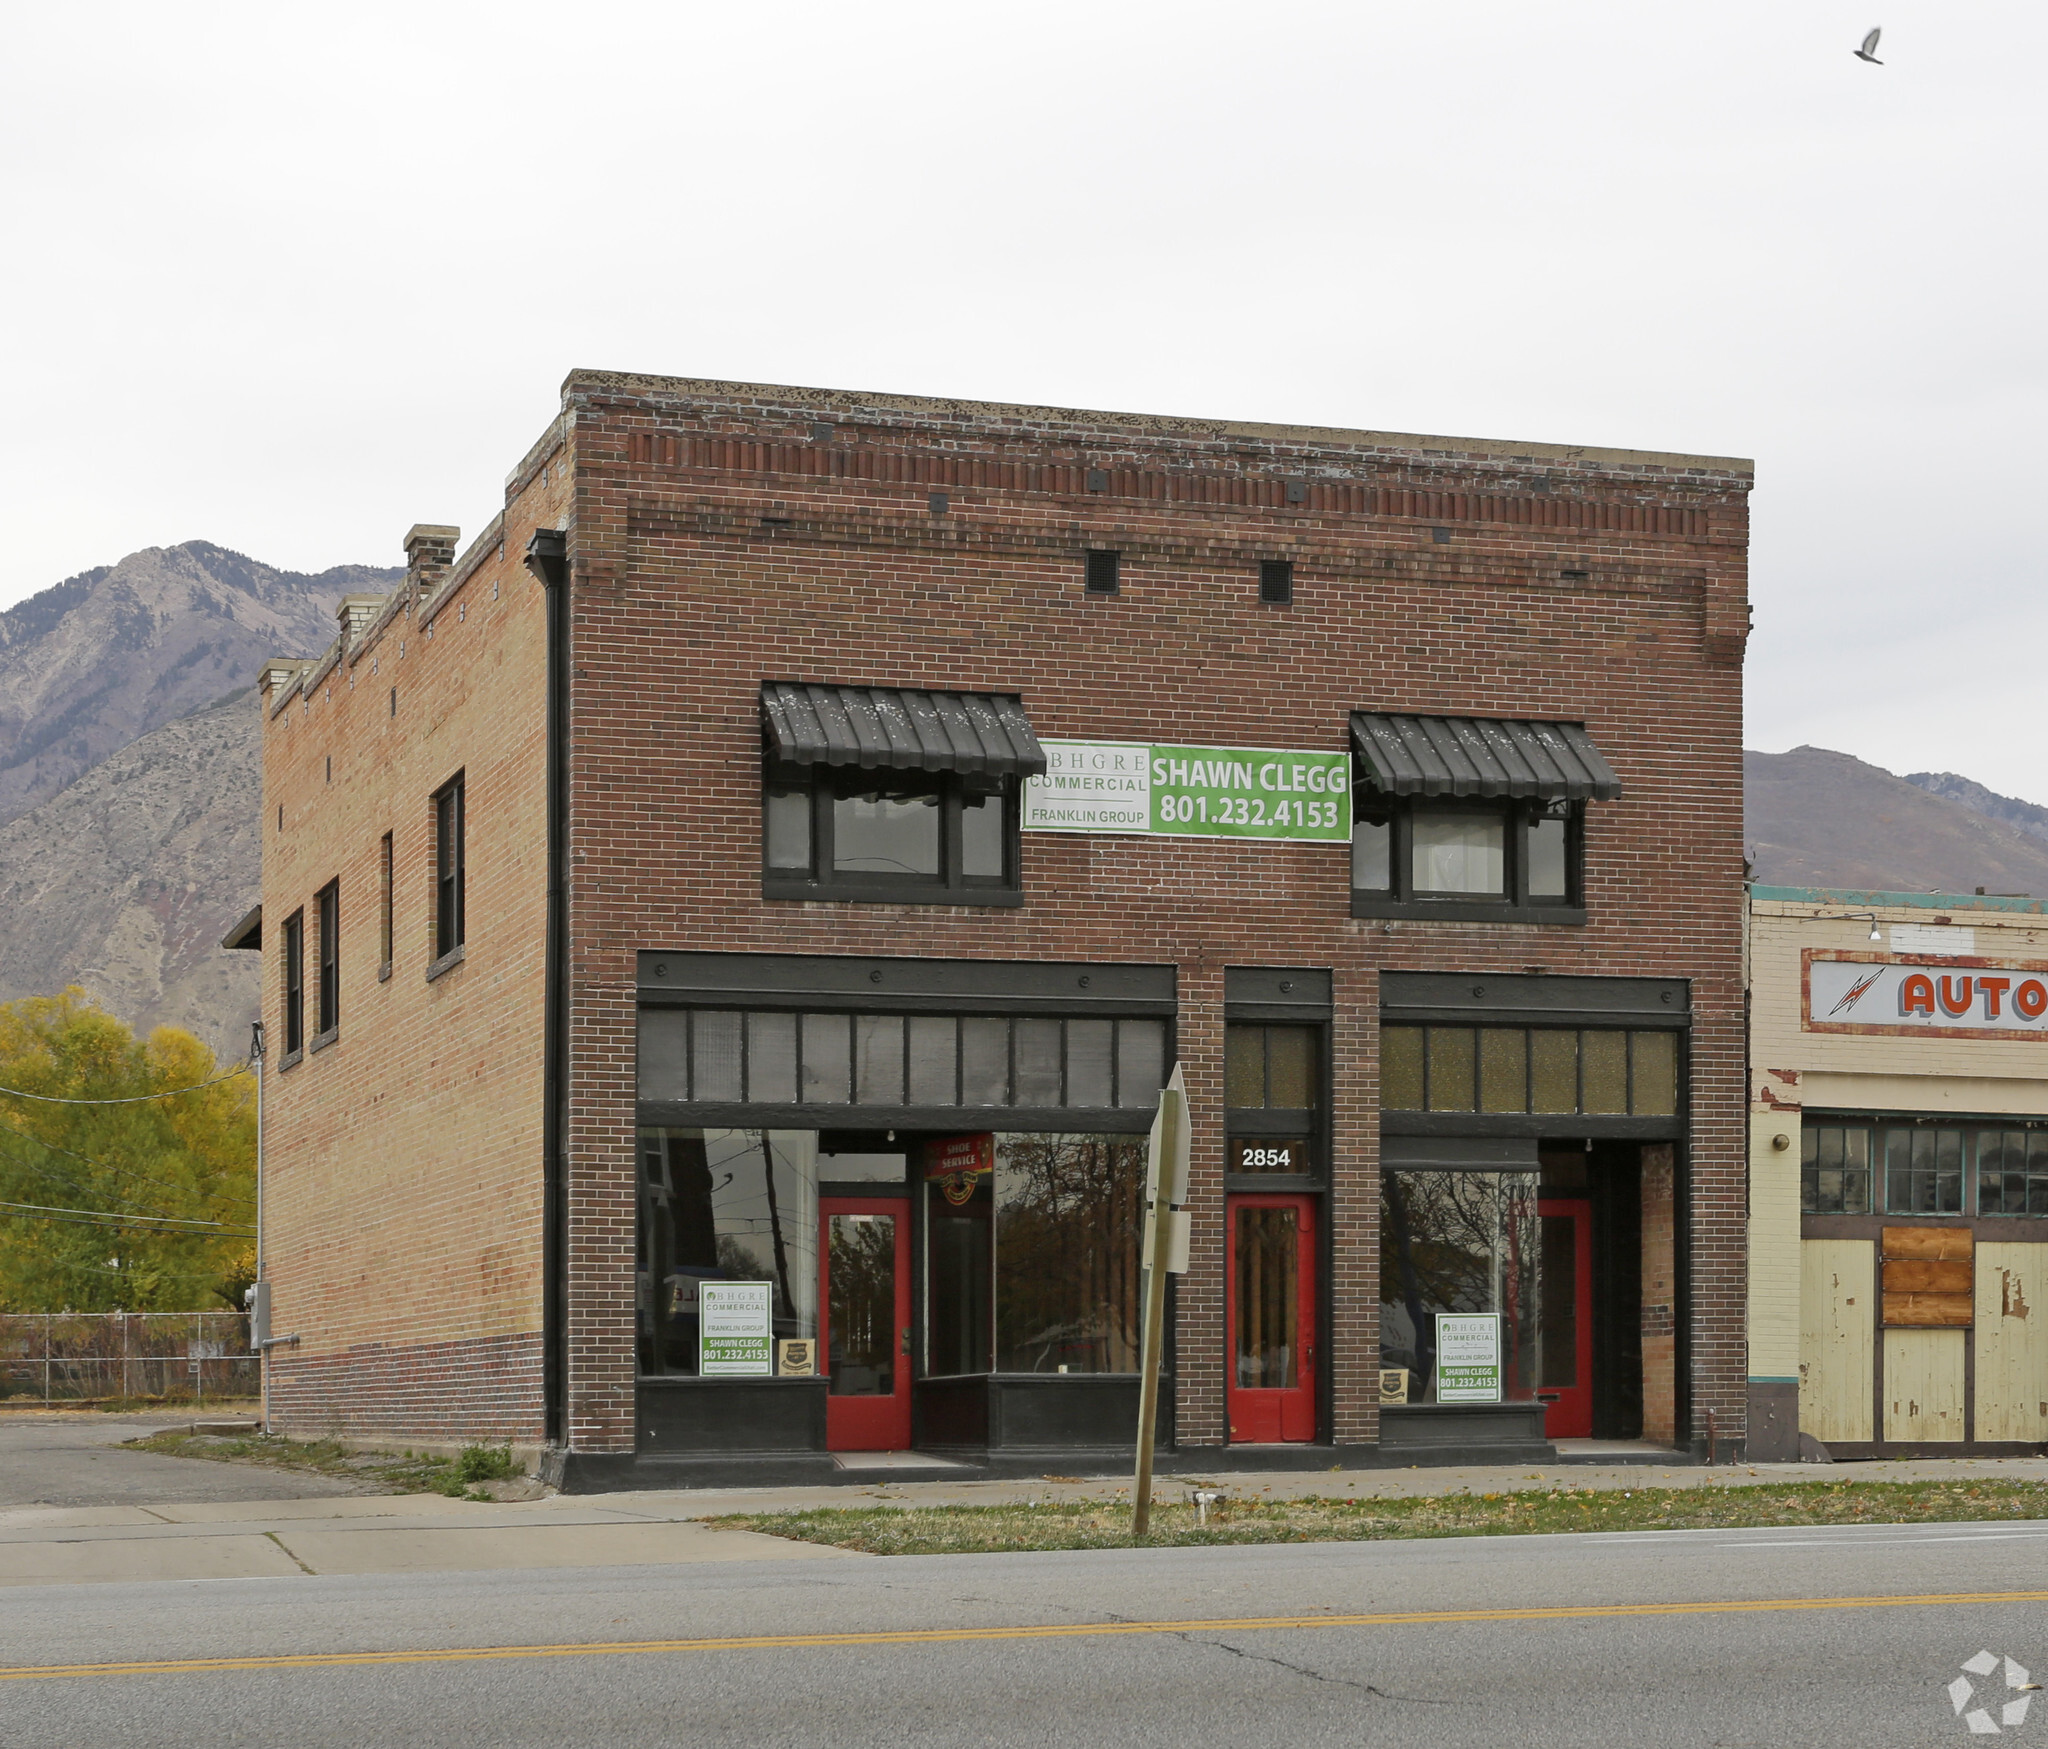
<point>724,1206</point>
<point>1069,1227</point>
<point>1459,1242</point>
<point>1529,1070</point>
<point>1032,1266</point>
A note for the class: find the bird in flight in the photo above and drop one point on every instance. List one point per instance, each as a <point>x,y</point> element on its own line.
<point>1868,52</point>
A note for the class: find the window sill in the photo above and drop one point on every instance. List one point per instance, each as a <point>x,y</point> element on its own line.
<point>384,973</point>
<point>291,1060</point>
<point>1466,911</point>
<point>447,962</point>
<point>905,893</point>
<point>321,1040</point>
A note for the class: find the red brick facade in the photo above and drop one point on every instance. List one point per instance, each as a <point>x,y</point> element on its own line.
<point>720,535</point>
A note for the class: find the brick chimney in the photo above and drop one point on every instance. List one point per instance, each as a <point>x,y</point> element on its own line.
<point>429,551</point>
<point>355,613</point>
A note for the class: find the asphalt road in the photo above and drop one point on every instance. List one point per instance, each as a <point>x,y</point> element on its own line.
<point>1014,1649</point>
<point>75,1459</point>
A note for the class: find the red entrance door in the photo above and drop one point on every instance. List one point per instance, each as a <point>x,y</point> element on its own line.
<point>1567,1332</point>
<point>864,1321</point>
<point>1270,1391</point>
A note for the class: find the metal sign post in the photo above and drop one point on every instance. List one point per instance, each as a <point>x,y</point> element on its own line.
<point>1166,1253</point>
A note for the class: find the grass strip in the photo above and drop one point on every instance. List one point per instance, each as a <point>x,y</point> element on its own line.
<point>393,1472</point>
<point>972,1530</point>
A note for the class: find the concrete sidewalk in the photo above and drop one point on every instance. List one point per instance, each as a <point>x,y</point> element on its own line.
<point>417,1533</point>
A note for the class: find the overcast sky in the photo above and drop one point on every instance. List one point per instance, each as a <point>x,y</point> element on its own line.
<point>294,278</point>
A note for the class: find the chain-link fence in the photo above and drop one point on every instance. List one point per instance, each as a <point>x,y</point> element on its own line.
<point>96,1357</point>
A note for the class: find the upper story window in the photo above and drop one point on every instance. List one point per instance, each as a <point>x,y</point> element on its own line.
<point>294,986</point>
<point>893,796</point>
<point>450,871</point>
<point>1472,819</point>
<point>328,909</point>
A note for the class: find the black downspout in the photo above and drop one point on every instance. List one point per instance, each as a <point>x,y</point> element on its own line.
<point>547,557</point>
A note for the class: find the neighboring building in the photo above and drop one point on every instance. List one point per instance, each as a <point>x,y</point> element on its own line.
<point>1898,1172</point>
<point>728,929</point>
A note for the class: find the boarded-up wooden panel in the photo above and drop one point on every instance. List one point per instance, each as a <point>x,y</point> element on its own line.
<point>1923,1385</point>
<point>1928,1278</point>
<point>1837,1333</point>
<point>2012,1342</point>
<point>1931,1244</point>
<point>1939,1311</point>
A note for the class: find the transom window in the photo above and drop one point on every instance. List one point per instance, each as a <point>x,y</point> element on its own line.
<point>1273,1088</point>
<point>1529,1070</point>
<point>737,1057</point>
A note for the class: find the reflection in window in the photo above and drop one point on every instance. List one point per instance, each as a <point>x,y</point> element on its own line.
<point>2012,1172</point>
<point>1459,1242</point>
<point>1069,1221</point>
<point>959,1241</point>
<point>1834,1170</point>
<point>1923,1171</point>
<point>724,1205</point>
<point>883,834</point>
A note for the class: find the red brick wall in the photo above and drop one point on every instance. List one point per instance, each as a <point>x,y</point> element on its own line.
<point>723,535</point>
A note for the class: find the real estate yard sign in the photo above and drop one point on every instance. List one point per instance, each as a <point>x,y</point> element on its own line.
<point>735,1329</point>
<point>1468,1357</point>
<point>1191,792</point>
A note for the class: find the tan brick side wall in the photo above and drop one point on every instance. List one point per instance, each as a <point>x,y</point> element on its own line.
<point>694,583</point>
<point>403,1161</point>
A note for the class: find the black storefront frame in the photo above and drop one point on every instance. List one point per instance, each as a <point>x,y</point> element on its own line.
<point>786,1408</point>
<point>1553,1000</point>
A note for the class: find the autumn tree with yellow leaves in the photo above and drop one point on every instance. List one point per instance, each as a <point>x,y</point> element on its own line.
<point>119,1189</point>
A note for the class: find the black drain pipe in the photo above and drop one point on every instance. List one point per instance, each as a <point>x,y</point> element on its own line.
<point>547,557</point>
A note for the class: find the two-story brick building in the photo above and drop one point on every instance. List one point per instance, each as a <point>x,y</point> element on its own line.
<point>726,931</point>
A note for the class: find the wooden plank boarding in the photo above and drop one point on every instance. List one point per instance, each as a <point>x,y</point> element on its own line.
<point>1930,1311</point>
<point>1910,1276</point>
<point>1929,1244</point>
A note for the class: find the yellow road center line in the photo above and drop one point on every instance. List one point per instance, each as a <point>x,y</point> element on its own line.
<point>1049,1631</point>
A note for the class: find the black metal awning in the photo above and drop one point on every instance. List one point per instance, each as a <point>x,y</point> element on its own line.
<point>1482,756</point>
<point>896,727</point>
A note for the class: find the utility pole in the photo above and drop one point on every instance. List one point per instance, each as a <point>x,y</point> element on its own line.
<point>1166,1253</point>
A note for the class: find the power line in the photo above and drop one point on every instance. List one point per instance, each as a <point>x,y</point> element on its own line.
<point>134,1099</point>
<point>167,1224</point>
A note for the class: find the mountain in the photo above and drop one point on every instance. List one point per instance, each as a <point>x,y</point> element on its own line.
<point>120,650</point>
<point>2030,817</point>
<point>1819,819</point>
<point>126,880</point>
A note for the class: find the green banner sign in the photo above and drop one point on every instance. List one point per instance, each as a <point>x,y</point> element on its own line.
<point>1198,792</point>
